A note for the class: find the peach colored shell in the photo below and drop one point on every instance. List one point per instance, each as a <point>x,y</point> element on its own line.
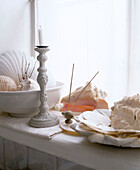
<point>7,84</point>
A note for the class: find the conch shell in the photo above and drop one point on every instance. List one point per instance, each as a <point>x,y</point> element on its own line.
<point>90,99</point>
<point>7,84</point>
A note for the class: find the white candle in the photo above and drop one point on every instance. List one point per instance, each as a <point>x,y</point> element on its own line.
<point>41,36</point>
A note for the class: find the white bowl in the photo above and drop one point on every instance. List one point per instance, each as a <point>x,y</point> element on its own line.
<point>26,103</point>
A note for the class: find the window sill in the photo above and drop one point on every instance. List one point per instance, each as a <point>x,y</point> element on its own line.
<point>78,149</point>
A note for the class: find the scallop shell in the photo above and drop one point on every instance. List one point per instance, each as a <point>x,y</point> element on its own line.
<point>7,84</point>
<point>11,66</point>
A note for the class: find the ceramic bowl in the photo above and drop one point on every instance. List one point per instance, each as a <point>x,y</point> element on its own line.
<point>26,103</point>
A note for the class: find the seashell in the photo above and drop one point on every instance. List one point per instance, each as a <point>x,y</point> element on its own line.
<point>30,84</point>
<point>7,84</point>
<point>11,65</point>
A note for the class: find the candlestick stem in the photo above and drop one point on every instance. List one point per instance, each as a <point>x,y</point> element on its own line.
<point>44,118</point>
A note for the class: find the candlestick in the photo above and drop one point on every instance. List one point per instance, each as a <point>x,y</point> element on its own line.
<point>44,117</point>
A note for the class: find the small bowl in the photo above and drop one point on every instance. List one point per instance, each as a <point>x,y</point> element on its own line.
<point>26,103</point>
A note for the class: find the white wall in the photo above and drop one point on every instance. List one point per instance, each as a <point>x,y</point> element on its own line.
<point>93,35</point>
<point>15,25</point>
<point>134,81</point>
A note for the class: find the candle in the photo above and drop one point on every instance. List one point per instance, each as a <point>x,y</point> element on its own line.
<point>41,36</point>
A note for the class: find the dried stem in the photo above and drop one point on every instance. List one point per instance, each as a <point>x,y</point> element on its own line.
<point>32,70</point>
<point>25,66</point>
<point>27,69</point>
<point>86,86</point>
<point>19,78</point>
<point>71,82</point>
<point>22,67</point>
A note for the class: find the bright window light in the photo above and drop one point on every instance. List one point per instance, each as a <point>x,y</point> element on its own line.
<point>93,34</point>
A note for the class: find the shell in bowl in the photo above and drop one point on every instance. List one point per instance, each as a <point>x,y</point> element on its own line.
<point>26,103</point>
<point>14,63</point>
<point>7,84</point>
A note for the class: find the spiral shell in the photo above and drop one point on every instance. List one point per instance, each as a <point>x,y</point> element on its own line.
<point>7,84</point>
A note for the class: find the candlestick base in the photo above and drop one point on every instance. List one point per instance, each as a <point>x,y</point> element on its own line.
<point>42,121</point>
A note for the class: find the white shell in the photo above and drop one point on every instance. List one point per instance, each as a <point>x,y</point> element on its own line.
<point>100,132</point>
<point>7,84</point>
<point>11,64</point>
<point>28,85</point>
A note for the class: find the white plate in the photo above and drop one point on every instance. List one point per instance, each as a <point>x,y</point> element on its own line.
<point>100,132</point>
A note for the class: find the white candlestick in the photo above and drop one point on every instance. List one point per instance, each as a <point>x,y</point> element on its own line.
<point>44,118</point>
<point>41,36</point>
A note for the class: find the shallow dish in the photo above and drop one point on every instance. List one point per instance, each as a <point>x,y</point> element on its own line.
<point>26,103</point>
